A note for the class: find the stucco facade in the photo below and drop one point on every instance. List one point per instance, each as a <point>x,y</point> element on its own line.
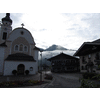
<point>13,65</point>
<point>17,49</point>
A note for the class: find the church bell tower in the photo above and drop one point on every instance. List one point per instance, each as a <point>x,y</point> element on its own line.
<point>6,28</point>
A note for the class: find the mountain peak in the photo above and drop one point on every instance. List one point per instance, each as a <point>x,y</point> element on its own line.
<point>55,47</point>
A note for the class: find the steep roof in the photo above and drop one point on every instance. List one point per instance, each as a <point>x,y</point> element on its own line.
<point>62,56</point>
<point>88,48</point>
<point>96,41</point>
<point>19,57</point>
<point>36,48</point>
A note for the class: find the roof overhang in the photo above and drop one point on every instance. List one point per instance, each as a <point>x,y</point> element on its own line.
<point>87,48</point>
<point>62,56</point>
<point>20,57</point>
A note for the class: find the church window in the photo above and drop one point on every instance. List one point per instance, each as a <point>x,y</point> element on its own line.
<point>25,48</point>
<point>21,47</point>
<point>16,47</point>
<point>4,36</point>
<point>22,32</point>
<point>31,68</point>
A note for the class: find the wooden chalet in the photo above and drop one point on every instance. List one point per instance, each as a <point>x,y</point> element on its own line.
<point>89,54</point>
<point>64,63</point>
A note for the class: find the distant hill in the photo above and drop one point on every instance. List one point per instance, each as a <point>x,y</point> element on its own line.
<point>41,49</point>
<point>49,54</point>
<point>55,47</point>
<point>53,51</point>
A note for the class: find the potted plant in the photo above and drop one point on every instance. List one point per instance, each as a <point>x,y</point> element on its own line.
<point>14,72</point>
<point>27,72</point>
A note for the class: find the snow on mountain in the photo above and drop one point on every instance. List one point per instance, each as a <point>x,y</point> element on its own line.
<point>48,54</point>
<point>53,51</point>
<point>55,47</point>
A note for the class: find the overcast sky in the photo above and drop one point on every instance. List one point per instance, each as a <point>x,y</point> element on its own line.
<point>69,30</point>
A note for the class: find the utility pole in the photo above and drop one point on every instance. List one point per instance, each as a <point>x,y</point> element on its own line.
<point>45,65</point>
<point>41,66</point>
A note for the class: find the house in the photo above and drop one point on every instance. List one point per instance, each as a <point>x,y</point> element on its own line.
<point>18,49</point>
<point>89,53</point>
<point>63,63</point>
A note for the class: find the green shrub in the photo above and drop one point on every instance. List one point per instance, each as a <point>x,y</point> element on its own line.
<point>14,72</point>
<point>27,72</point>
<point>87,84</point>
<point>89,75</point>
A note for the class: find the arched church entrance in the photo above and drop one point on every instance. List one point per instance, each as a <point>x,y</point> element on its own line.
<point>20,69</point>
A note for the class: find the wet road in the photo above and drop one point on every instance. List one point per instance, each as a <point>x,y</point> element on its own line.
<point>65,80</point>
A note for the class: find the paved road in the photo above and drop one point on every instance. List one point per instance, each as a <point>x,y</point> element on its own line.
<point>65,80</point>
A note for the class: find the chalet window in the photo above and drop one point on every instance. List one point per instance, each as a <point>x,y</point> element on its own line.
<point>85,67</point>
<point>83,59</point>
<point>97,56</point>
<point>89,56</point>
<point>4,36</point>
<point>82,67</point>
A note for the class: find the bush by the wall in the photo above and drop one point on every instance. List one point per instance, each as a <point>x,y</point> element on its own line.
<point>27,72</point>
<point>89,75</point>
<point>14,72</point>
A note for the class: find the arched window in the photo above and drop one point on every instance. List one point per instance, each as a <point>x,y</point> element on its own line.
<point>16,47</point>
<point>31,68</point>
<point>21,47</point>
<point>25,48</point>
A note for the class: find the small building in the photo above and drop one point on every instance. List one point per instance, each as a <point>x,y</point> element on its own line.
<point>89,54</point>
<point>18,49</point>
<point>64,63</point>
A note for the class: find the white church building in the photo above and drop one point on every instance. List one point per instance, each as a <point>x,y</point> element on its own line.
<point>17,49</point>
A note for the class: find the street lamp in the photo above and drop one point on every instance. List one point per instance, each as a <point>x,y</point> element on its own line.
<point>45,65</point>
<point>41,66</point>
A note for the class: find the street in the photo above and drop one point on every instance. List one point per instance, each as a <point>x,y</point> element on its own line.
<point>64,80</point>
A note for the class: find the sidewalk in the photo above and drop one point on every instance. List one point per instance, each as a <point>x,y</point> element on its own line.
<point>26,78</point>
<point>37,86</point>
<point>22,77</point>
<point>42,85</point>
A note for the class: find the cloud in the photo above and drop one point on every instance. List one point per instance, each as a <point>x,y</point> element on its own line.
<point>67,29</point>
<point>42,29</point>
<point>71,29</point>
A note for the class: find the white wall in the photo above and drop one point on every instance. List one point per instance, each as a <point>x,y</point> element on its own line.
<point>36,57</point>
<point>12,65</point>
<point>2,50</point>
<point>17,33</point>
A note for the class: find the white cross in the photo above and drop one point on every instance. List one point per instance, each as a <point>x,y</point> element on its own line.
<point>22,25</point>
